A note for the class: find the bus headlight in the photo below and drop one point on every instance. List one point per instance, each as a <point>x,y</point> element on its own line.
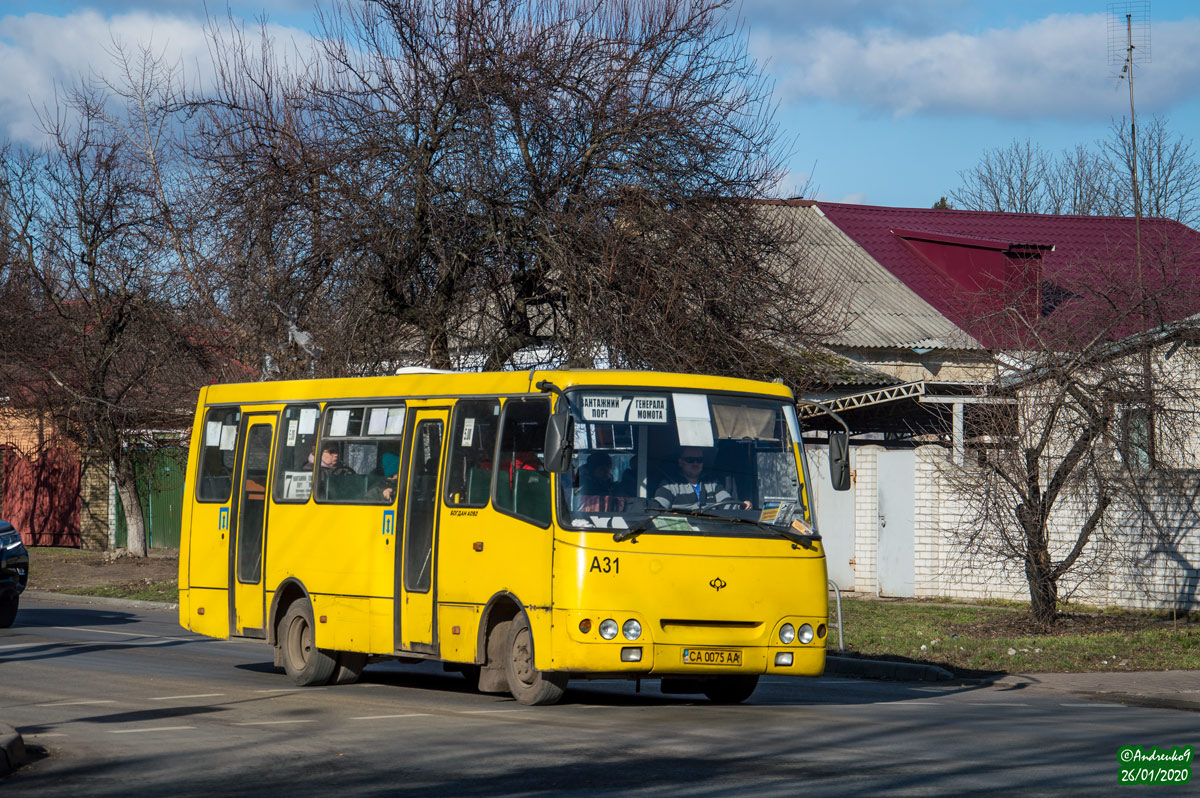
<point>608,628</point>
<point>806,633</point>
<point>631,629</point>
<point>787,633</point>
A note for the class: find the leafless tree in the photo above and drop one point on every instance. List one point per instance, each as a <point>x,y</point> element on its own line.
<point>1070,438</point>
<point>485,178</point>
<point>1168,173</point>
<point>1008,179</point>
<point>103,348</point>
<point>1096,180</point>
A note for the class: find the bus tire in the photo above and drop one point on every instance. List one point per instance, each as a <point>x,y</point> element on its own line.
<point>527,684</point>
<point>350,666</point>
<point>730,689</point>
<point>306,665</point>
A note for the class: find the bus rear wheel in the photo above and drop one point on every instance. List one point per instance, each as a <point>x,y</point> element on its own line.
<point>527,684</point>
<point>730,689</point>
<point>306,665</point>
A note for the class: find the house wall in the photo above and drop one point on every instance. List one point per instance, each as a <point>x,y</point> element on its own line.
<point>937,365</point>
<point>48,492</point>
<point>94,506</point>
<point>1165,578</point>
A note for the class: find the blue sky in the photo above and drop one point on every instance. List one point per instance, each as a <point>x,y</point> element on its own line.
<point>881,101</point>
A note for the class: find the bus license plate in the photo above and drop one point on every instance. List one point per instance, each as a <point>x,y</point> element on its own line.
<point>711,656</point>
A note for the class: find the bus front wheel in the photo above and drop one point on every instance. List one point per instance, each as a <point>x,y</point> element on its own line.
<point>527,684</point>
<point>730,689</point>
<point>306,665</point>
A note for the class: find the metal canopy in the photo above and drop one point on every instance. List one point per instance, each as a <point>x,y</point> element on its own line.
<point>913,408</point>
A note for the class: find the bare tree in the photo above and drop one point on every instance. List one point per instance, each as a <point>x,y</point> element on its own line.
<point>1096,180</point>
<point>1063,456</point>
<point>1168,174</point>
<point>1008,179</point>
<point>103,350</point>
<point>487,178</point>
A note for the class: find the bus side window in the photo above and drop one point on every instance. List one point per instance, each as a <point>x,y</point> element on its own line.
<point>359,457</point>
<point>296,457</point>
<point>472,447</point>
<point>215,473</point>
<point>522,483</point>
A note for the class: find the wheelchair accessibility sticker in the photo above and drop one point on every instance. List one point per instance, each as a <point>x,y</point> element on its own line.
<point>223,520</point>
<point>389,522</point>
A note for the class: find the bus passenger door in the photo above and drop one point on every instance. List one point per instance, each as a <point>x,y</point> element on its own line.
<point>250,522</point>
<point>416,588</point>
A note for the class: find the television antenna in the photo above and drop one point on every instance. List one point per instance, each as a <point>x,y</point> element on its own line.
<point>1129,44</point>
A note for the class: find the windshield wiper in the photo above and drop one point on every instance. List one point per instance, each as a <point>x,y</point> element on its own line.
<point>639,528</point>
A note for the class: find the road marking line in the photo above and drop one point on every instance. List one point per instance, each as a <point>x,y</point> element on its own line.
<point>27,645</point>
<point>282,690</point>
<point>155,729</point>
<point>272,722</point>
<point>47,734</point>
<point>122,634</point>
<point>77,703</point>
<point>489,711</point>
<point>384,717</point>
<point>174,697</point>
<point>906,704</point>
<point>995,704</point>
<point>1094,705</point>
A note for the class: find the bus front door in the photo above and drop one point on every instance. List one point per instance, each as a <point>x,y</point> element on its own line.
<point>250,522</point>
<point>416,588</point>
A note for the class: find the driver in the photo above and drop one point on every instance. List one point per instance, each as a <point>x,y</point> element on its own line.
<point>693,489</point>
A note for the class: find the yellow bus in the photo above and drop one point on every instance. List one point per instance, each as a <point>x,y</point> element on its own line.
<point>522,528</point>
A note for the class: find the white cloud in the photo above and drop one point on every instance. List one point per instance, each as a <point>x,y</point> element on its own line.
<point>1054,67</point>
<point>40,53</point>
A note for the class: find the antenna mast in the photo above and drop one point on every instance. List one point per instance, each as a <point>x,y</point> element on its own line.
<point>1129,44</point>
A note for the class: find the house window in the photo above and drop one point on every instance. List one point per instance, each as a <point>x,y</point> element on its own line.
<point>1135,438</point>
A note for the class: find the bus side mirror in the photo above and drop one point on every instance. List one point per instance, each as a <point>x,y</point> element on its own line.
<point>839,460</point>
<point>559,439</point>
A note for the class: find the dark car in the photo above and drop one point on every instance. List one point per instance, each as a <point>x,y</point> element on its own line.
<point>14,572</point>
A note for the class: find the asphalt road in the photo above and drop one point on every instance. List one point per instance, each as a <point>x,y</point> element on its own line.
<point>124,702</point>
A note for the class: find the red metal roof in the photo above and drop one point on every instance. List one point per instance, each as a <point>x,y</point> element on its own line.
<point>952,258</point>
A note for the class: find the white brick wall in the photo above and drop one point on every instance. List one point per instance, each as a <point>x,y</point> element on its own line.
<point>866,519</point>
<point>1163,578</point>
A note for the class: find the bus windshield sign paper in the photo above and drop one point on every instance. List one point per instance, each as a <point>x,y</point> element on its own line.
<point>339,423</point>
<point>308,420</point>
<point>692,419</point>
<point>638,409</point>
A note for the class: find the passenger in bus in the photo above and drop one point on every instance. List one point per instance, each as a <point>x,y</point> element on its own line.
<point>390,462</point>
<point>331,455</point>
<point>693,489</point>
<point>596,485</point>
<point>595,477</point>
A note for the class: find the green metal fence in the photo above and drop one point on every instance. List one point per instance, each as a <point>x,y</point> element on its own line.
<point>160,485</point>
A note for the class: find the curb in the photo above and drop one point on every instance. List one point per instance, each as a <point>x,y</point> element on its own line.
<point>103,601</point>
<point>883,669</point>
<point>13,747</point>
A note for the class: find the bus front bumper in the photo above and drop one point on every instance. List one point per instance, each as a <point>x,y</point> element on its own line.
<point>645,659</point>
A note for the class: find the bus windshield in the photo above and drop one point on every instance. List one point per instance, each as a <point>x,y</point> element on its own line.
<point>683,463</point>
